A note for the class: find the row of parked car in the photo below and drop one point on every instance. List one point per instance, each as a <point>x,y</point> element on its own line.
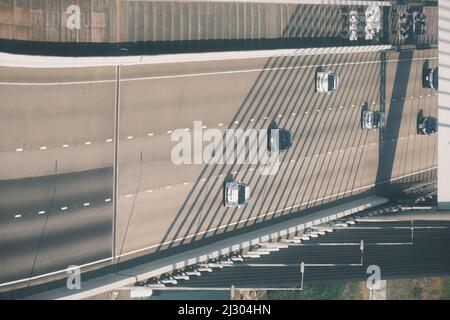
<point>237,193</point>
<point>411,23</point>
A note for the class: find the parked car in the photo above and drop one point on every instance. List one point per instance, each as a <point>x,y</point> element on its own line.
<point>406,26</point>
<point>419,23</point>
<point>236,194</point>
<point>326,82</point>
<point>426,125</point>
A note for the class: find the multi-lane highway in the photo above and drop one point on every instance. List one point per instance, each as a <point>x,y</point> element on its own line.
<point>58,134</point>
<point>331,157</point>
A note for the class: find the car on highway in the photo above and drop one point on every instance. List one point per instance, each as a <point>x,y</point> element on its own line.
<point>236,194</point>
<point>426,125</point>
<point>279,140</point>
<point>372,119</point>
<point>326,82</point>
<point>430,78</point>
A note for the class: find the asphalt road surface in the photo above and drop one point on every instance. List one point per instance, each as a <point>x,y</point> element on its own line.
<point>336,257</point>
<point>57,149</point>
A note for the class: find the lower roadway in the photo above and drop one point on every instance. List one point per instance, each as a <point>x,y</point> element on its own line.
<point>336,256</point>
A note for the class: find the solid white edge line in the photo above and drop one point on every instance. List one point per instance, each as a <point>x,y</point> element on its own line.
<point>203,74</point>
<point>26,61</point>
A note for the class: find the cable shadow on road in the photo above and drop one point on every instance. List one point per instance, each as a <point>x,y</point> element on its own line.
<point>273,104</point>
<point>387,152</point>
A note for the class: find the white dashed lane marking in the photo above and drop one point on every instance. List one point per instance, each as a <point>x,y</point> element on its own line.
<point>221,124</point>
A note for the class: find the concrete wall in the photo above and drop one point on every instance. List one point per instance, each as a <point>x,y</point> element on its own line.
<point>444,112</point>
<point>112,21</point>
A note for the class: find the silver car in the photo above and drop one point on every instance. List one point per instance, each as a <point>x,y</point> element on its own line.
<point>431,78</point>
<point>278,140</point>
<point>326,82</point>
<point>236,194</point>
<point>371,119</point>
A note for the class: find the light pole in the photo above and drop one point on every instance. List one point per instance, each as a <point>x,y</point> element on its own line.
<point>361,247</point>
<point>302,271</point>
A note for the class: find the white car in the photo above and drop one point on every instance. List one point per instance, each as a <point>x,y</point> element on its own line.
<point>236,194</point>
<point>326,82</point>
<point>373,21</point>
<point>371,119</point>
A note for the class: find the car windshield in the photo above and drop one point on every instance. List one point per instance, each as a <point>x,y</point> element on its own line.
<point>435,78</point>
<point>285,139</point>
<point>369,118</point>
<point>330,82</point>
<point>273,136</point>
<point>377,118</point>
<point>431,125</point>
<point>241,198</point>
